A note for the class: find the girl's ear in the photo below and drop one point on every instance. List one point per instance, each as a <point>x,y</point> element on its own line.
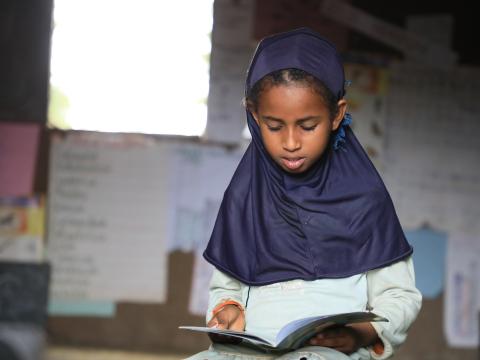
<point>342,109</point>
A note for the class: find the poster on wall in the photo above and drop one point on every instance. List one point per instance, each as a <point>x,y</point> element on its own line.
<point>107,218</point>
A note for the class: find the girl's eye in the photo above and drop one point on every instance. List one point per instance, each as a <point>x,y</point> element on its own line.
<point>274,128</point>
<point>309,128</point>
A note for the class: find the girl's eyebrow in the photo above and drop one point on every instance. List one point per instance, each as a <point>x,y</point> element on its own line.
<point>306,118</point>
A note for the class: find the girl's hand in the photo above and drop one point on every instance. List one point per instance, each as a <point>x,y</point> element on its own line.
<point>231,318</point>
<point>346,339</point>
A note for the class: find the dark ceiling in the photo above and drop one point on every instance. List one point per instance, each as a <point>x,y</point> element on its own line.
<point>466,22</point>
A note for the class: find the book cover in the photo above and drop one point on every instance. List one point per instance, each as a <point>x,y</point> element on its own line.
<point>294,334</point>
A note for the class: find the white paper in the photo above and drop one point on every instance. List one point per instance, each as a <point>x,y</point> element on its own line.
<point>106,239</point>
<point>186,197</point>
<point>22,229</point>
<point>432,147</point>
<point>462,301</point>
<point>21,248</point>
<point>200,175</point>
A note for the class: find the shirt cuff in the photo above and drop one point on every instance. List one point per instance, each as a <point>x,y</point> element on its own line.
<point>387,346</point>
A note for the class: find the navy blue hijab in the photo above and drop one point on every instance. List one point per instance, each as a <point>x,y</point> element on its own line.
<point>333,221</point>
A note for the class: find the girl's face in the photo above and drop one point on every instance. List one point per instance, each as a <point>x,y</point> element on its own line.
<point>295,125</point>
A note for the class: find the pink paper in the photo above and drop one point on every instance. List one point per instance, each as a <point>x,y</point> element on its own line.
<point>18,155</point>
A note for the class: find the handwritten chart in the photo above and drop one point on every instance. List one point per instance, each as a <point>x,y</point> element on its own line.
<point>106,223</point>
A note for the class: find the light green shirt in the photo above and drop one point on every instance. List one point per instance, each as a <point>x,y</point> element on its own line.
<point>389,291</point>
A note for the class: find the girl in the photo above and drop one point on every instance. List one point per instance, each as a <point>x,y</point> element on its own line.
<point>306,226</point>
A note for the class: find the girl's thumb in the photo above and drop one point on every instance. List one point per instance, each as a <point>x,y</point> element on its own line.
<point>212,323</point>
<point>218,323</point>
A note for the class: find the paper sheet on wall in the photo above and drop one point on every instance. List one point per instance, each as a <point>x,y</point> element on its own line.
<point>199,178</point>
<point>462,302</point>
<point>432,147</point>
<point>366,97</point>
<point>429,248</point>
<point>106,240</point>
<point>18,154</point>
<point>186,197</point>
<point>22,228</point>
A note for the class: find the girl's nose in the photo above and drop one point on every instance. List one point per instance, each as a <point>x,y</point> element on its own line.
<point>291,141</point>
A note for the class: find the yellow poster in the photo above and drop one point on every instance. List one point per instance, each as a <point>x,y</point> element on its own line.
<point>22,228</point>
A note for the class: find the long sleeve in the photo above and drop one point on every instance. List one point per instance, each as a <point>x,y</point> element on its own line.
<point>224,287</point>
<point>393,295</point>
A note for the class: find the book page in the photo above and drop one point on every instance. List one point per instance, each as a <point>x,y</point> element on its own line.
<point>295,333</point>
<point>236,334</point>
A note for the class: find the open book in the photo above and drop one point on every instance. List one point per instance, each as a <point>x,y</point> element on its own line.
<point>294,334</point>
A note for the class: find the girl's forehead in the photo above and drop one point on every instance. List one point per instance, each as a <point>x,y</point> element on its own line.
<point>292,88</point>
<point>298,89</point>
<point>291,96</point>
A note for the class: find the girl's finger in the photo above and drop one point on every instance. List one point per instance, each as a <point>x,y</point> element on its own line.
<point>213,323</point>
<point>333,332</point>
<point>223,321</point>
<point>330,342</point>
<point>238,324</point>
<point>316,338</point>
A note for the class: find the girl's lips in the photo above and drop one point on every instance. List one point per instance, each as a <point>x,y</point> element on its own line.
<point>293,164</point>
